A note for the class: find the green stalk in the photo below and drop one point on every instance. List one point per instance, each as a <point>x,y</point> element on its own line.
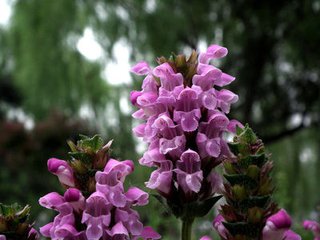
<point>186,229</point>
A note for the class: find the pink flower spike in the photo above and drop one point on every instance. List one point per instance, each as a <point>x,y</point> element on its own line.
<point>141,68</point>
<point>62,170</point>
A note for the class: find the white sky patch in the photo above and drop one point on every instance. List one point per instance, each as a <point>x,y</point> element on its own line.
<point>202,46</point>
<point>295,120</point>
<point>117,72</point>
<point>5,12</point>
<point>141,147</point>
<point>19,115</point>
<point>124,105</point>
<point>150,6</point>
<point>88,46</point>
<point>86,112</point>
<point>306,155</point>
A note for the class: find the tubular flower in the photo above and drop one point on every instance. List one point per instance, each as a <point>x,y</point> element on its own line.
<point>184,119</point>
<point>314,227</point>
<point>105,212</point>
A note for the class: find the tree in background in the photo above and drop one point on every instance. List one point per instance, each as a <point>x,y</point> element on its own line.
<point>273,54</point>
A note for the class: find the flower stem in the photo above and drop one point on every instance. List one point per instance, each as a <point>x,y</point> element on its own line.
<point>186,229</point>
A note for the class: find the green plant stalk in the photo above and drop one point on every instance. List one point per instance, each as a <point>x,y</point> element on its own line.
<point>186,231</point>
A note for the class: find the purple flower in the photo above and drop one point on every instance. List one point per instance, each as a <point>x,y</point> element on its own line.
<point>161,179</point>
<point>97,215</point>
<point>189,174</point>
<point>62,170</point>
<point>213,52</point>
<point>278,227</point>
<point>142,68</point>
<point>205,238</point>
<point>219,227</point>
<point>314,227</point>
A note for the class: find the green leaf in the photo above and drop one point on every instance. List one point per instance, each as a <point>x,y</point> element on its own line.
<point>92,144</point>
<point>205,206</point>
<point>258,160</point>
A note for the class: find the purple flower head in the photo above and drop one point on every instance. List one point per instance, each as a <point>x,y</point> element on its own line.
<point>104,214</point>
<point>184,121</point>
<point>314,227</point>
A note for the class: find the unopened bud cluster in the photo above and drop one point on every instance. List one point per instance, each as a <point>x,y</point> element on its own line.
<point>14,223</point>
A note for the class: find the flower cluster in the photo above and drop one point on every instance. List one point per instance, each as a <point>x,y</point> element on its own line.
<point>277,227</point>
<point>14,223</point>
<point>314,227</point>
<point>105,213</point>
<point>184,117</point>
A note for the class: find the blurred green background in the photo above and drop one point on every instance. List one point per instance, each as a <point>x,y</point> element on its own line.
<point>64,70</point>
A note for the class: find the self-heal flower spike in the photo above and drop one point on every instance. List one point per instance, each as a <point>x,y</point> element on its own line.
<point>98,207</point>
<point>249,212</point>
<point>184,119</point>
<point>14,223</point>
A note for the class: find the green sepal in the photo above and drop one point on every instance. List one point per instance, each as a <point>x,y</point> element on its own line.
<point>241,179</point>
<point>242,228</point>
<point>192,209</point>
<point>258,160</point>
<point>247,135</point>
<point>81,156</point>
<point>256,201</point>
<point>91,144</point>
